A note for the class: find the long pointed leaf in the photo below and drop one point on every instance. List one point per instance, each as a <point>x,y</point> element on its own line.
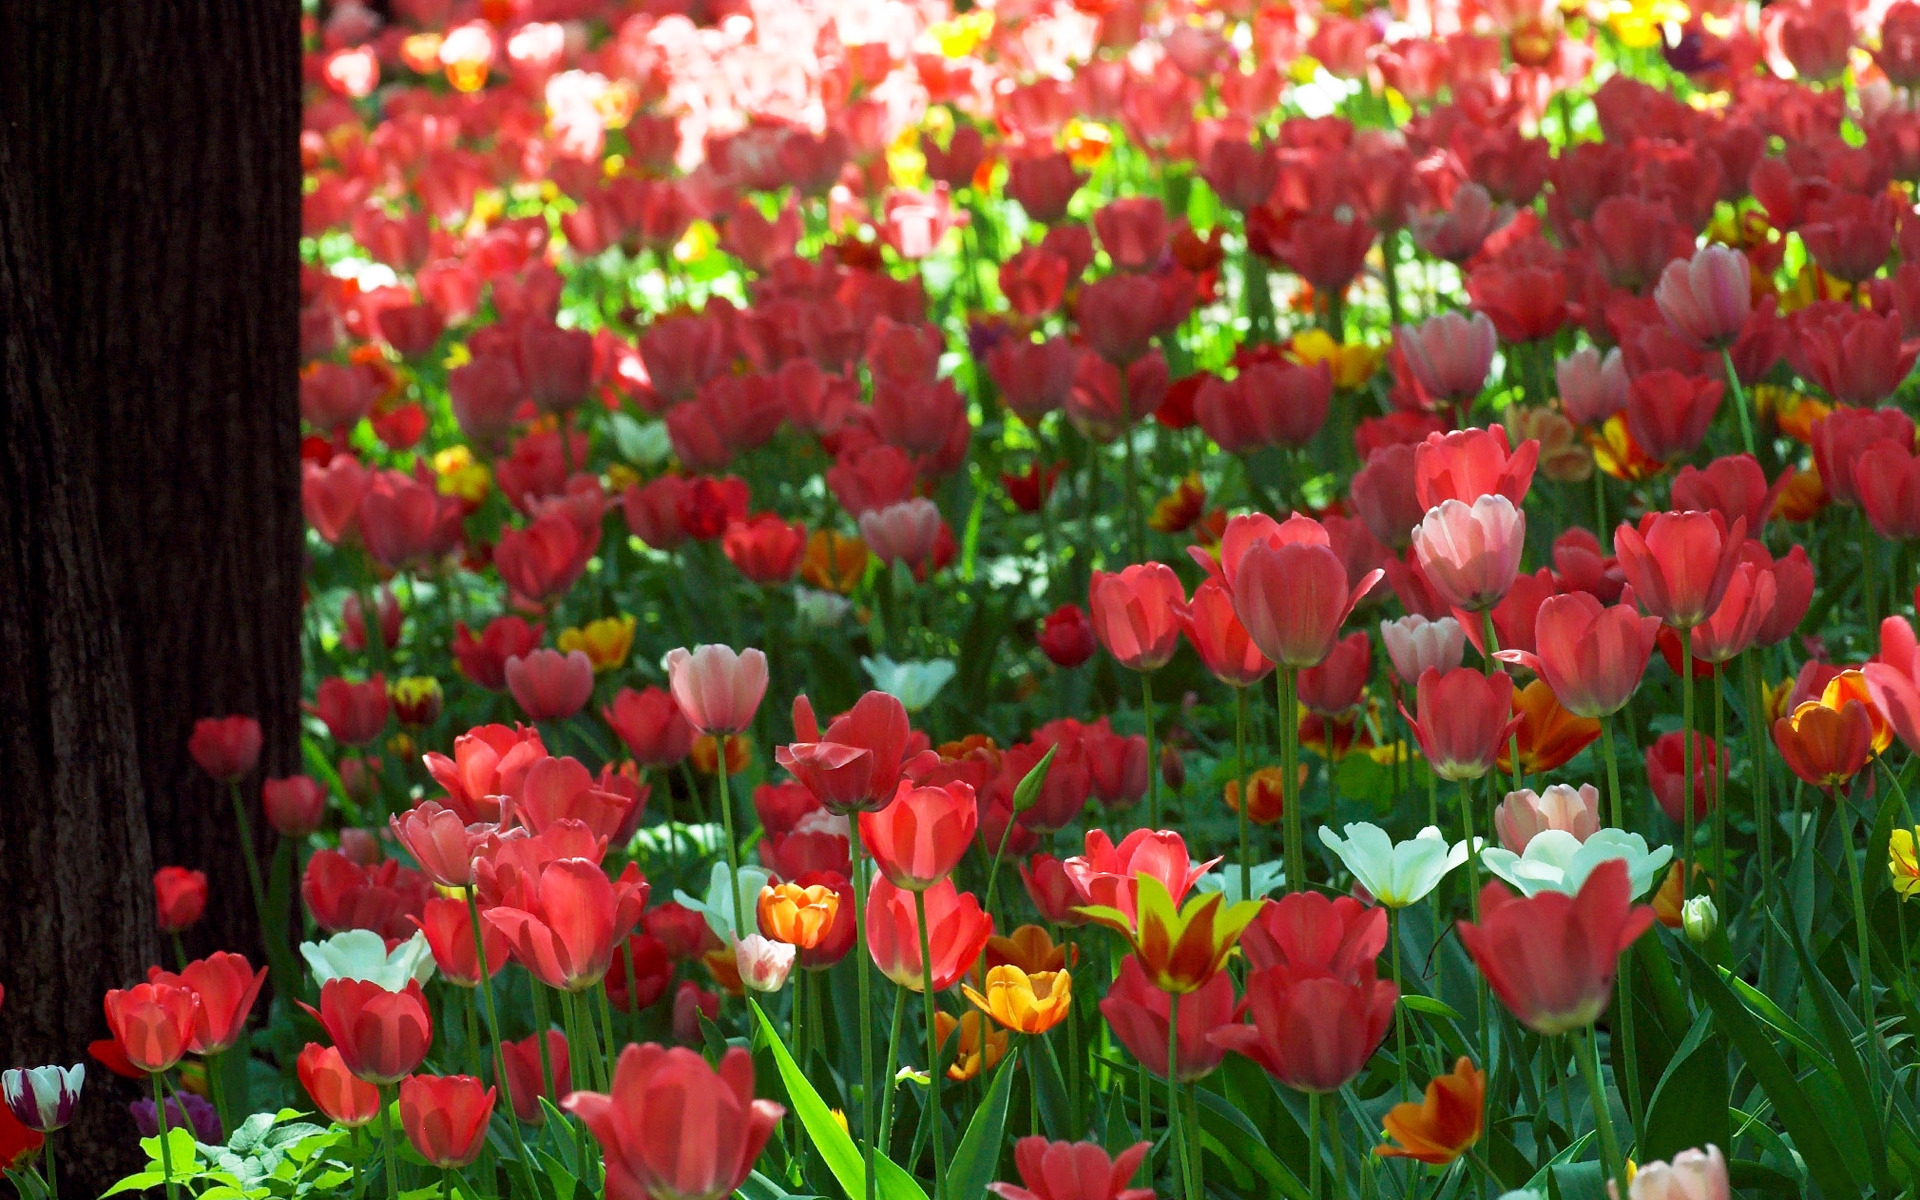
<point>978,1154</point>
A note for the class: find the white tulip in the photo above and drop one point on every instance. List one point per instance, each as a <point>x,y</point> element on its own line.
<point>1396,874</point>
<point>1556,861</point>
<point>362,954</point>
<point>719,908</point>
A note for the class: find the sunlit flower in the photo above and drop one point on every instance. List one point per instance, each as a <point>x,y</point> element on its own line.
<point>1021,1002</point>
<point>605,641</point>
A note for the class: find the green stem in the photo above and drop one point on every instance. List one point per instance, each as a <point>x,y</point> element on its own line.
<point>1869,583</point>
<point>493,1028</point>
<point>1865,935</point>
<point>1136,551</point>
<point>1762,807</point>
<point>166,1152</point>
<point>1613,773</point>
<point>1289,779</point>
<point>1686,760</point>
<point>387,1143</point>
<point>1314,1103</point>
<point>1336,1146</point>
<point>864,1017</point>
<point>1240,782</point>
<point>1473,904</point>
<point>893,1067</point>
<point>1153,765</point>
<point>1602,1116</point>
<point>733,848</point>
<point>1739,403</point>
<point>542,1022</point>
<point>1719,813</point>
<point>933,1047</point>
<point>1399,1005</point>
<point>1513,739</point>
<point>53,1183</point>
<point>1174,1131</point>
<point>606,1020</point>
<point>473,1036</point>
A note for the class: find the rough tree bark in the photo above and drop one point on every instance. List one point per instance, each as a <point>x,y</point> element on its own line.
<point>155,192</point>
<point>73,840</point>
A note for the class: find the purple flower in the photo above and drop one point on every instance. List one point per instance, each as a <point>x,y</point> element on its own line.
<point>205,1121</point>
<point>43,1097</point>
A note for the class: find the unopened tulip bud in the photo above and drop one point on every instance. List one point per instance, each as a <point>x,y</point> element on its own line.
<point>1700,919</point>
<point>43,1098</point>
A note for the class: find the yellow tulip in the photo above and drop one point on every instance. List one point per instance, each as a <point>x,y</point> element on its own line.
<point>1024,1003</point>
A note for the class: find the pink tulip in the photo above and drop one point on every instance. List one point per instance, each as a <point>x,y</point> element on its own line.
<point>1471,553</point>
<point>717,689</point>
<point>550,686</point>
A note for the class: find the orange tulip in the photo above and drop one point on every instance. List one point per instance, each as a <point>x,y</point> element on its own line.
<point>1031,949</point>
<point>1024,1003</point>
<point>1266,788</point>
<point>1825,746</point>
<point>1548,734</point>
<point>1445,1125</point>
<point>799,916</point>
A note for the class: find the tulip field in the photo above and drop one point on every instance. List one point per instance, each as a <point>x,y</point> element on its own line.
<point>1076,600</point>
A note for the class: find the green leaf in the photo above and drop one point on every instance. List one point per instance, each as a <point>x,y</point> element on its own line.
<point>1430,1005</point>
<point>1228,1126</point>
<point>760,1187</point>
<point>1846,1061</point>
<point>1797,1114</point>
<point>836,1147</point>
<point>1055,1111</point>
<point>145,1181</point>
<point>569,1155</point>
<point>1689,1105</point>
<point>562,1179</point>
<point>978,1154</point>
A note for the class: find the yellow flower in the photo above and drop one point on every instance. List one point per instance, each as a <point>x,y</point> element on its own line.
<point>840,1119</point>
<point>969,1061</point>
<point>1179,949</point>
<point>1795,412</point>
<point>605,642</point>
<point>1810,285</point>
<point>1351,365</point>
<point>958,38</point>
<point>416,699</point>
<point>1616,453</point>
<point>456,473</point>
<point>696,243</point>
<point>1086,142</point>
<point>620,477</point>
<point>906,165</point>
<point>1903,864</point>
<point>1638,23</point>
<point>1024,1003</point>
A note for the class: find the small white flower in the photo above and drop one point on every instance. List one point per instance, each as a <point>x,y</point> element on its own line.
<point>914,684</point>
<point>719,908</point>
<point>762,962</point>
<point>1262,878</point>
<point>362,954</point>
<point>822,610</point>
<point>1556,861</point>
<point>1396,874</point>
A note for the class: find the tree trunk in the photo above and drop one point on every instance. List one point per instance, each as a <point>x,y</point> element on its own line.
<point>74,855</point>
<point>158,172</point>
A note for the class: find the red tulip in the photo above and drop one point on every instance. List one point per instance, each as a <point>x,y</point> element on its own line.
<point>1886,480</point>
<point>1074,1171</point>
<point>1137,1011</point>
<point>1733,486</point>
<point>153,1023</point>
<point>1470,463</point>
<point>1592,656</point>
<point>1336,937</point>
<point>404,522</point>
<point>957,932</point>
<point>484,660</point>
<point>1267,404</point>
<point>1043,184</point>
<point>526,1079</point>
<point>295,806</point>
<point>382,1036</point>
<point>449,931</point>
<point>649,723</point>
<point>1034,281</point>
<point>1668,413</point>
<point>1382,494</point>
<point>549,685</point>
<point>227,986</point>
<point>1133,614</point>
<point>354,713</point>
<point>1735,625</point>
<point>572,918</point>
<point>1034,378</point>
<point>330,496</point>
<point>905,532</point>
<point>441,841</point>
<point>1289,588</point>
<point>652,973</point>
<point>340,1097</point>
<point>446,1117</point>
<point>674,1126</point>
<point>1219,639</point>
<point>1053,891</point>
<point>1679,563</point>
<point>1339,685</point>
<point>857,765</point>
<point>1133,231</point>
<point>1592,388</point>
<point>765,548</point>
<point>225,747</point>
<point>1551,958</point>
<point>1066,636</point>
<point>180,897</point>
<point>341,894</point>
<point>488,761</point>
<point>1840,438</point>
<point>1464,719</point>
<point>1855,356</point>
<point>1120,315</point>
<point>919,838</point>
<point>1312,1031</point>
<point>1450,355</point>
<point>561,789</point>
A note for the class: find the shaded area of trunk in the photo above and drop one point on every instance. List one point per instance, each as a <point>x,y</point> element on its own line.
<point>153,208</point>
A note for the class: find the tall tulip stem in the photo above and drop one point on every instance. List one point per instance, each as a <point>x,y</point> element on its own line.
<point>1615,800</point>
<point>1399,1007</point>
<point>1153,764</point>
<point>1739,401</point>
<point>493,1019</point>
<point>1865,936</point>
<point>1762,807</point>
<point>1686,763</point>
<point>386,1142</point>
<point>1240,782</point>
<point>864,1018</point>
<point>733,847</point>
<point>1176,1136</point>
<point>1289,778</point>
<point>166,1152</point>
<point>893,1066</point>
<point>1589,1055</point>
<point>933,1047</point>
